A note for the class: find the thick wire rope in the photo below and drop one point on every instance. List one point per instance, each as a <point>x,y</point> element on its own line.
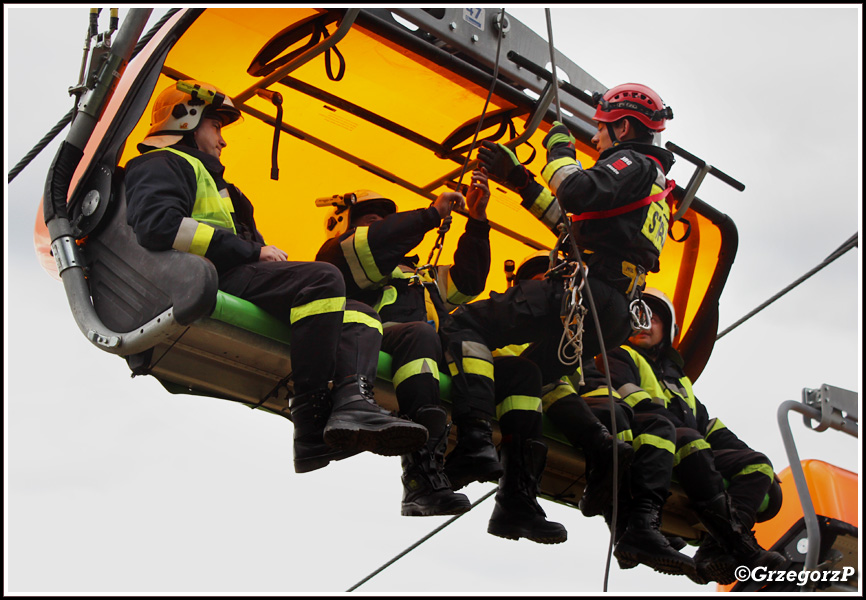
<point>569,233</point>
<point>52,133</point>
<point>849,244</point>
<point>421,541</point>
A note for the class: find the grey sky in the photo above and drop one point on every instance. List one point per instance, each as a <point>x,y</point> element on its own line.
<point>115,486</point>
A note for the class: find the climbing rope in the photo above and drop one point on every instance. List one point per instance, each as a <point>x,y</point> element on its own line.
<point>446,222</point>
<point>577,340</point>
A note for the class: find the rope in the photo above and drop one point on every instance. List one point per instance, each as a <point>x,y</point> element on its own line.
<point>446,222</point>
<point>850,243</point>
<point>421,541</point>
<point>568,232</point>
<point>40,146</point>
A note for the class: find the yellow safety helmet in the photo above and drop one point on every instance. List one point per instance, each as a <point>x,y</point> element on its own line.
<point>179,109</point>
<point>660,303</point>
<point>348,207</point>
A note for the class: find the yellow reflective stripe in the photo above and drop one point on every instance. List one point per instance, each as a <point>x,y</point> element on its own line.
<point>626,436</point>
<point>478,366</point>
<point>389,296</point>
<point>317,307</point>
<point>432,313</point>
<point>648,380</point>
<point>757,468</point>
<point>518,402</point>
<point>714,425</point>
<point>452,369</point>
<point>556,171</point>
<point>545,208</point>
<point>559,390</point>
<point>655,226</point>
<point>359,257</point>
<point>689,449</point>
<point>600,391</point>
<point>354,316</point>
<point>654,440</point>
<point>512,350</point>
<point>419,366</point>
<point>632,394</point>
<point>449,288</point>
<point>212,206</point>
<point>201,239</point>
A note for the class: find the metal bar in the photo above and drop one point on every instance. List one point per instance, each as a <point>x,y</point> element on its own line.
<point>813,531</point>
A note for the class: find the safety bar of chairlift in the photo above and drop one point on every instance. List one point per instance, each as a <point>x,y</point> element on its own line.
<point>697,178</point>
<point>828,418</point>
<point>345,25</point>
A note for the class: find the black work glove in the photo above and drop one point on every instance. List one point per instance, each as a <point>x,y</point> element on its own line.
<point>559,142</point>
<point>503,166</point>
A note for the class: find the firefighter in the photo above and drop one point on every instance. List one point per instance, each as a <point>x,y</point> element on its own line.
<point>368,240</point>
<point>644,481</point>
<point>648,373</point>
<point>178,199</point>
<point>621,228</point>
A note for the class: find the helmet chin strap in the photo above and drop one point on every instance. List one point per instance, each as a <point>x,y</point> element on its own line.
<point>612,134</point>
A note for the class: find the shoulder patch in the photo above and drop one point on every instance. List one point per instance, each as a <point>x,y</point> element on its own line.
<point>619,165</point>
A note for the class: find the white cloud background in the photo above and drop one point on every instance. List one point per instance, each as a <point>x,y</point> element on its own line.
<point>114,486</point>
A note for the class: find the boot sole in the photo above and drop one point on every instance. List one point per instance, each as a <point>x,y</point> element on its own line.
<point>313,463</point>
<point>415,510</point>
<point>508,532</point>
<point>392,439</point>
<point>490,474</point>
<point>668,566</point>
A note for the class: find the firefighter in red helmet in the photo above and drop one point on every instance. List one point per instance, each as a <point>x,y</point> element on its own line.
<point>620,223</point>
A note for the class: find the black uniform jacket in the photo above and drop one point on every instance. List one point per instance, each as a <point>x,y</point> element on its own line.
<point>161,191</point>
<point>389,241</point>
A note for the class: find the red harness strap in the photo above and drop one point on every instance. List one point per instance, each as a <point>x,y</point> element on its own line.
<point>603,214</point>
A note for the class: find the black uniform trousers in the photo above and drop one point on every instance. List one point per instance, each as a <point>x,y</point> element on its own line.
<point>416,359</point>
<point>332,338</point>
<point>529,312</point>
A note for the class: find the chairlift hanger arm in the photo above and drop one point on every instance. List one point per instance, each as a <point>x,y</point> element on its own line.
<point>703,168</point>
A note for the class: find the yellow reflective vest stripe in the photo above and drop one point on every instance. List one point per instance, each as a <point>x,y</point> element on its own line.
<point>656,390</point>
<point>213,208</point>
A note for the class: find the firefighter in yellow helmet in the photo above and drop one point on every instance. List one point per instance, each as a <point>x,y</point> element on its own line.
<point>648,372</point>
<point>178,199</point>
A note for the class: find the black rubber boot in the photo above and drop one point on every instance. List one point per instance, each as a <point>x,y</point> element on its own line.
<point>621,526</point>
<point>599,469</point>
<point>734,534</point>
<point>713,563</point>
<point>310,413</point>
<point>426,489</point>
<point>643,543</point>
<point>474,458</point>
<point>517,513</point>
<point>357,422</point>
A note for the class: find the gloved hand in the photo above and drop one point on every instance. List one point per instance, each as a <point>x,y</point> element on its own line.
<point>503,166</point>
<point>559,142</point>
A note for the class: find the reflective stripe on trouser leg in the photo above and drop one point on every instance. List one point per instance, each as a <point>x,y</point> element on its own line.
<point>749,475</point>
<point>360,341</point>
<point>307,296</point>
<point>415,352</point>
<point>518,397</point>
<point>694,466</point>
<point>470,365</point>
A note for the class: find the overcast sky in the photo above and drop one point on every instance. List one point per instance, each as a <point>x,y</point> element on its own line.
<point>115,486</point>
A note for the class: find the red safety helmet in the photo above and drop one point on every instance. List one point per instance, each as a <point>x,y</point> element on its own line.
<point>632,100</point>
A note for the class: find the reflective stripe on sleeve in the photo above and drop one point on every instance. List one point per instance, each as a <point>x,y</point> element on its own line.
<point>557,171</point>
